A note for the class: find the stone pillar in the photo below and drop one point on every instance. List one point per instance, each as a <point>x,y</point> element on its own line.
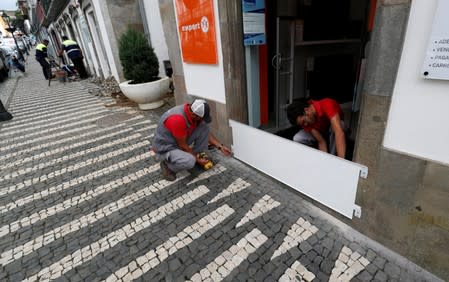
<point>402,198</point>
<point>168,16</point>
<point>4,114</point>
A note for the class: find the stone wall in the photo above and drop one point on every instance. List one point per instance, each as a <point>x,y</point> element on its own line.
<point>119,15</point>
<point>404,199</point>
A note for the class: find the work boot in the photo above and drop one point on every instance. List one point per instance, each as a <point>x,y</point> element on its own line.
<point>4,116</point>
<point>167,173</point>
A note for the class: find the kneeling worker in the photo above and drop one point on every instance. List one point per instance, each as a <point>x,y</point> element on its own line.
<point>182,135</point>
<point>319,119</point>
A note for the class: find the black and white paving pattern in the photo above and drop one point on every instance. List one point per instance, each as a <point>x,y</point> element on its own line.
<point>82,199</point>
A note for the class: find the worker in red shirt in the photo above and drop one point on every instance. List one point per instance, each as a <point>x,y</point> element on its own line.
<point>182,134</point>
<point>320,120</point>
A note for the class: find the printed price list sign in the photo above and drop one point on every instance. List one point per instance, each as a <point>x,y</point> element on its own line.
<point>436,63</point>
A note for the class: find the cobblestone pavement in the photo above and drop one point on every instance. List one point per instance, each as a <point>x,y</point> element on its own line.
<point>82,198</point>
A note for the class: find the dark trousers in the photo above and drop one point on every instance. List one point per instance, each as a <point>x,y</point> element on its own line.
<point>45,67</point>
<point>4,115</point>
<point>18,65</point>
<point>79,66</point>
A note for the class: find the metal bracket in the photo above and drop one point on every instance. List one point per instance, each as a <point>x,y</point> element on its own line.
<point>358,211</point>
<point>364,172</point>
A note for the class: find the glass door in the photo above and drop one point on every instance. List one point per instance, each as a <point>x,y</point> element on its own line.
<point>283,62</point>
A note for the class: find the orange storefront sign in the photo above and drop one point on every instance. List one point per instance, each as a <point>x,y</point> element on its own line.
<point>196,26</point>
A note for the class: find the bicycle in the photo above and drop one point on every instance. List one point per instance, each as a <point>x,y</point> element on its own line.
<point>65,72</point>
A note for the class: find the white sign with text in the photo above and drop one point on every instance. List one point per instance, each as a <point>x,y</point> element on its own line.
<point>436,63</point>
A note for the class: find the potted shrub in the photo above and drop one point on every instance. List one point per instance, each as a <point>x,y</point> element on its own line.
<point>141,70</point>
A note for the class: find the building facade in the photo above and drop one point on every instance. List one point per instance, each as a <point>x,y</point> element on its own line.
<point>97,26</point>
<point>368,55</point>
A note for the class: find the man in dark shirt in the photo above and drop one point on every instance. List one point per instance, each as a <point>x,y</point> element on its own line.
<point>75,54</point>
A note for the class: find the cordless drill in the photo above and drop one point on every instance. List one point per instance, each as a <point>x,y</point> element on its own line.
<point>209,164</point>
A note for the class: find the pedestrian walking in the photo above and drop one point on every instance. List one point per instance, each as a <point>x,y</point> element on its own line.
<point>41,57</point>
<point>75,54</point>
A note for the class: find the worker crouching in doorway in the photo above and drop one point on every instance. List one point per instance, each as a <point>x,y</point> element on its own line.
<point>75,54</point>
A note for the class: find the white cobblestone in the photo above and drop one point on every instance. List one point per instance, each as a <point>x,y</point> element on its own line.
<point>112,237</point>
<point>215,214</point>
<point>262,206</point>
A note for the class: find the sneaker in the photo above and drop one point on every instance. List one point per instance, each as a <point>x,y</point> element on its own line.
<point>167,173</point>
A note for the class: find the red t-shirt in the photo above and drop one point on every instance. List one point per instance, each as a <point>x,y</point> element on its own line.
<point>325,109</point>
<point>177,125</point>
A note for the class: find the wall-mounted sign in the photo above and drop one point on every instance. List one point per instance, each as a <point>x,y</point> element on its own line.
<point>436,63</point>
<point>254,22</point>
<point>196,27</point>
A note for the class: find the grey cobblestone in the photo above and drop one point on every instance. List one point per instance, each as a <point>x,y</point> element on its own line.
<point>379,262</point>
<point>82,199</point>
<point>392,270</point>
<point>380,276</point>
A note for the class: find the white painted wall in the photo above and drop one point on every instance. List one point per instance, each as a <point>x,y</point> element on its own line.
<point>90,18</point>
<point>157,36</point>
<point>418,122</point>
<point>207,81</point>
<point>105,38</point>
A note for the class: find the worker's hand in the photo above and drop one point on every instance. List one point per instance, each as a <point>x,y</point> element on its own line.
<point>201,161</point>
<point>225,150</point>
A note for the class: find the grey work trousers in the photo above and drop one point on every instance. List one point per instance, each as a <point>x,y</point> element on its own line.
<point>178,160</point>
<point>306,138</point>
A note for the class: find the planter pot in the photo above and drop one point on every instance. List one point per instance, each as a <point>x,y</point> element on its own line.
<point>147,95</point>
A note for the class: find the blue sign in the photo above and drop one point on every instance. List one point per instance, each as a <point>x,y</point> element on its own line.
<point>254,22</point>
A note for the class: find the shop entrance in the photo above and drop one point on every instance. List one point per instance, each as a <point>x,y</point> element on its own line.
<point>315,50</point>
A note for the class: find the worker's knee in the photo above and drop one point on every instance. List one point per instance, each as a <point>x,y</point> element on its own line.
<point>189,162</point>
<point>184,162</point>
<point>304,138</point>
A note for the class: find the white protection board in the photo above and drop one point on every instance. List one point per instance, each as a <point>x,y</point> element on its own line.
<point>330,180</point>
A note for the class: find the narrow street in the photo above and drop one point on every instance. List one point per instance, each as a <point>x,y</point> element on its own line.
<point>82,199</point>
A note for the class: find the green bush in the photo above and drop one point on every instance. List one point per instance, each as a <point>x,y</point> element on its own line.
<point>139,62</point>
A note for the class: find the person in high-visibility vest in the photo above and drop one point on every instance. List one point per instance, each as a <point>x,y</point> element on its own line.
<point>41,57</point>
<point>75,54</point>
